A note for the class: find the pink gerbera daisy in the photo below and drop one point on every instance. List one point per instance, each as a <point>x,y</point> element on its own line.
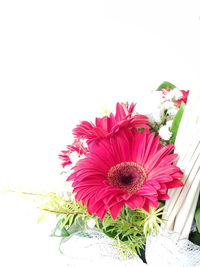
<point>108,125</point>
<point>129,168</point>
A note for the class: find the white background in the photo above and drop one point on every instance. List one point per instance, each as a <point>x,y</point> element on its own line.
<point>61,62</point>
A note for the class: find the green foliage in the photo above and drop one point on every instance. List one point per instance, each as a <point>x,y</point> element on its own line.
<point>195,238</point>
<point>69,213</point>
<point>176,123</point>
<point>166,85</point>
<point>128,231</point>
<point>197,218</point>
<point>198,203</point>
<point>152,220</point>
<point>60,230</point>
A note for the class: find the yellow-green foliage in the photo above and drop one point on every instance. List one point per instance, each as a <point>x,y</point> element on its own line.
<point>128,231</point>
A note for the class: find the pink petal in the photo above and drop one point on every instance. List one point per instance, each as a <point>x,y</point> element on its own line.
<point>115,210</point>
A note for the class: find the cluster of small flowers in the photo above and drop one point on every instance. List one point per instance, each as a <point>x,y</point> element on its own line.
<point>164,106</point>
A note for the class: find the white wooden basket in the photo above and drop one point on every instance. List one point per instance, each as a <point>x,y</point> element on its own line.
<point>172,247</point>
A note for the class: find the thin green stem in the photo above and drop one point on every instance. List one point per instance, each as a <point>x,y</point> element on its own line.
<point>61,212</point>
<point>132,225</point>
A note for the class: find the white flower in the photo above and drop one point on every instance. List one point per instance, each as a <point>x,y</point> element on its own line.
<point>172,111</point>
<point>157,114</point>
<point>169,123</point>
<point>91,223</point>
<point>151,106</point>
<point>169,95</point>
<point>174,94</point>
<point>177,94</point>
<point>170,107</point>
<point>165,133</point>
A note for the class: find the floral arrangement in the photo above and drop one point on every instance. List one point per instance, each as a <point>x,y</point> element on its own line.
<point>119,169</point>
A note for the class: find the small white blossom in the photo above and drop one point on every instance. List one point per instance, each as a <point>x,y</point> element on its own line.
<point>91,223</point>
<point>169,123</point>
<point>172,111</point>
<point>174,94</point>
<point>154,116</point>
<point>168,105</point>
<point>169,95</point>
<point>177,94</point>
<point>165,133</point>
<point>157,115</point>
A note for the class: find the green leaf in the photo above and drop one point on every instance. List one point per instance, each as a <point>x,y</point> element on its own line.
<point>70,219</point>
<point>198,203</point>
<point>166,85</point>
<point>59,232</point>
<point>129,232</point>
<point>197,218</point>
<point>176,123</point>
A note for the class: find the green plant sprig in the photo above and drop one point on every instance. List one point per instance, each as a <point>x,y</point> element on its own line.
<point>129,230</point>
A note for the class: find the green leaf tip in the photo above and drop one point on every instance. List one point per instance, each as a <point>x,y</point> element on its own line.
<point>166,85</point>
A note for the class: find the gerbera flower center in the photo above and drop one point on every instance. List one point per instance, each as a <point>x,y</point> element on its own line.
<point>128,176</point>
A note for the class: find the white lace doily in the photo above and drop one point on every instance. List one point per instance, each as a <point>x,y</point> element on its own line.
<point>169,249</point>
<point>94,248</point>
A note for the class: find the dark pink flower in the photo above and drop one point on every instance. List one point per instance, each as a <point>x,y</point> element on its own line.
<point>128,168</point>
<point>182,99</point>
<point>65,158</point>
<point>77,147</point>
<point>109,125</point>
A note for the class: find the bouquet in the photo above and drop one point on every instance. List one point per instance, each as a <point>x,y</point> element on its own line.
<point>120,172</point>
